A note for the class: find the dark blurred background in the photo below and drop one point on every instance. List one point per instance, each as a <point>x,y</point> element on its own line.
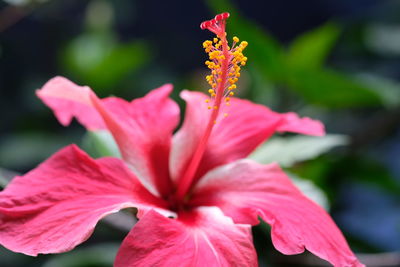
<point>335,60</point>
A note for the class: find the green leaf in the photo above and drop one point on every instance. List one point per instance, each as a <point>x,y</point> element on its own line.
<point>21,151</point>
<point>382,38</point>
<point>300,69</point>
<point>122,59</point>
<point>99,60</point>
<point>369,171</point>
<point>122,220</point>
<point>332,89</point>
<point>387,89</point>
<point>331,172</point>
<point>311,190</point>
<point>98,255</point>
<point>100,144</point>
<point>6,176</point>
<point>3,182</point>
<point>310,49</point>
<point>289,150</point>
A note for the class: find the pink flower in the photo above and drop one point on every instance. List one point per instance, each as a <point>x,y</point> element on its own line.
<point>196,195</point>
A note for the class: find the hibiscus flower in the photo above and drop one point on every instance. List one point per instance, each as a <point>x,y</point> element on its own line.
<point>196,194</point>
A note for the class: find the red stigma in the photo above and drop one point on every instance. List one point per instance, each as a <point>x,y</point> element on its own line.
<point>217,24</point>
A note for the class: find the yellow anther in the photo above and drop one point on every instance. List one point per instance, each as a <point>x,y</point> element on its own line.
<point>223,78</point>
<point>227,103</point>
<point>225,115</point>
<point>214,53</point>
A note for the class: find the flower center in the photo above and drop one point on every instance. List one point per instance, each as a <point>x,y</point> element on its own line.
<point>224,63</point>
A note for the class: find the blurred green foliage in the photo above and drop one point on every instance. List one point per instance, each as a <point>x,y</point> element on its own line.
<point>300,66</point>
<point>287,151</point>
<point>100,255</point>
<point>96,57</point>
<point>363,105</point>
<point>100,144</point>
<point>90,56</point>
<point>311,49</point>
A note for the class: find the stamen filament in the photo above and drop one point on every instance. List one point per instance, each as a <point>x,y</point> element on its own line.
<point>188,178</point>
<point>224,63</point>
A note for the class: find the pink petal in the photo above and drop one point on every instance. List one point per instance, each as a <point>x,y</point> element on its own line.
<point>56,206</point>
<point>142,128</point>
<point>290,122</point>
<point>143,131</point>
<point>233,137</point>
<point>69,100</point>
<point>202,237</point>
<point>244,190</point>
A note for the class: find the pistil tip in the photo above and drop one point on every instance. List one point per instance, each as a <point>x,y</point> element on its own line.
<point>215,22</point>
